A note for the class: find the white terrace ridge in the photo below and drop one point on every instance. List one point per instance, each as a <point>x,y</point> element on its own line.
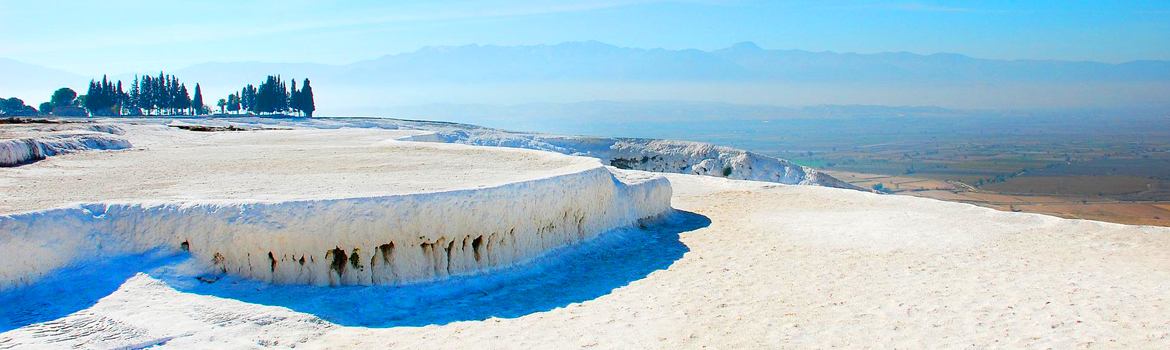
<point>322,207</point>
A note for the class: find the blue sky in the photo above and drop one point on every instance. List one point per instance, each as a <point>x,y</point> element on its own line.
<point>119,36</point>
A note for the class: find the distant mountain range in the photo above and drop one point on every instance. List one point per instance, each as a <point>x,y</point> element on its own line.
<point>33,83</point>
<point>742,73</point>
<point>744,62</point>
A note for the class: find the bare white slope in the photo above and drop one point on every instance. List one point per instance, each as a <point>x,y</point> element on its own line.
<point>321,207</point>
<point>778,267</point>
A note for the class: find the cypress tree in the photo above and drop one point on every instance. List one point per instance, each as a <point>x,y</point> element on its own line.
<point>182,102</point>
<point>248,99</point>
<point>282,97</point>
<point>174,100</point>
<point>161,98</point>
<point>91,104</point>
<point>144,95</point>
<point>120,98</point>
<point>307,105</point>
<point>197,101</point>
<point>294,97</point>
<point>262,95</point>
<point>106,96</point>
<point>134,98</point>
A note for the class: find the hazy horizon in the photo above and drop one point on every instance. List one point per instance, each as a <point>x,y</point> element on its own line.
<point>365,57</point>
<point>741,74</point>
<point>277,60</point>
<point>119,36</point>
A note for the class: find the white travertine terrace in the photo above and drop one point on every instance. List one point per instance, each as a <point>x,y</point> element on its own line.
<point>322,207</point>
<point>759,265</point>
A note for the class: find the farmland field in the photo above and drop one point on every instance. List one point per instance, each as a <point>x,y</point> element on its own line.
<point>1082,185</point>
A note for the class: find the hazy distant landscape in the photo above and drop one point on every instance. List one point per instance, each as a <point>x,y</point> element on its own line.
<point>744,73</point>
<point>1109,165</point>
<point>1104,164</point>
<point>1101,168</point>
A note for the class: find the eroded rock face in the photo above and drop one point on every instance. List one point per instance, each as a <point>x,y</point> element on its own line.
<point>360,241</point>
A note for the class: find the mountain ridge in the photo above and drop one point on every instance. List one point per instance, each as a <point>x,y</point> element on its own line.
<point>740,73</point>
<point>740,46</point>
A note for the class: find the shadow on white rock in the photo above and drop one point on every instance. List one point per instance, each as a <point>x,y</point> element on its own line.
<point>567,275</point>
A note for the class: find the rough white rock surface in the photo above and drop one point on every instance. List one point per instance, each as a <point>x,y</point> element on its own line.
<point>424,222</point>
<point>664,156</point>
<point>682,157</point>
<point>778,267</point>
<point>20,143</point>
<point>378,240</point>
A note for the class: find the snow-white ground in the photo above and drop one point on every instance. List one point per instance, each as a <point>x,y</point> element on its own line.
<point>320,207</point>
<point>739,264</point>
<point>171,164</point>
<point>742,265</point>
<point>668,156</point>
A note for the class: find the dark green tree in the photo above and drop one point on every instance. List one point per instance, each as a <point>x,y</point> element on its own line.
<point>197,101</point>
<point>294,97</point>
<point>120,99</point>
<point>91,104</point>
<point>306,100</point>
<point>63,97</point>
<point>10,105</point>
<point>233,103</point>
<point>134,99</point>
<point>272,96</point>
<point>248,98</point>
<point>181,99</point>
<point>103,98</point>
<point>15,107</point>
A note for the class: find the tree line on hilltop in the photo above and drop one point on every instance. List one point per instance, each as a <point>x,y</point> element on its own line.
<point>165,95</point>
